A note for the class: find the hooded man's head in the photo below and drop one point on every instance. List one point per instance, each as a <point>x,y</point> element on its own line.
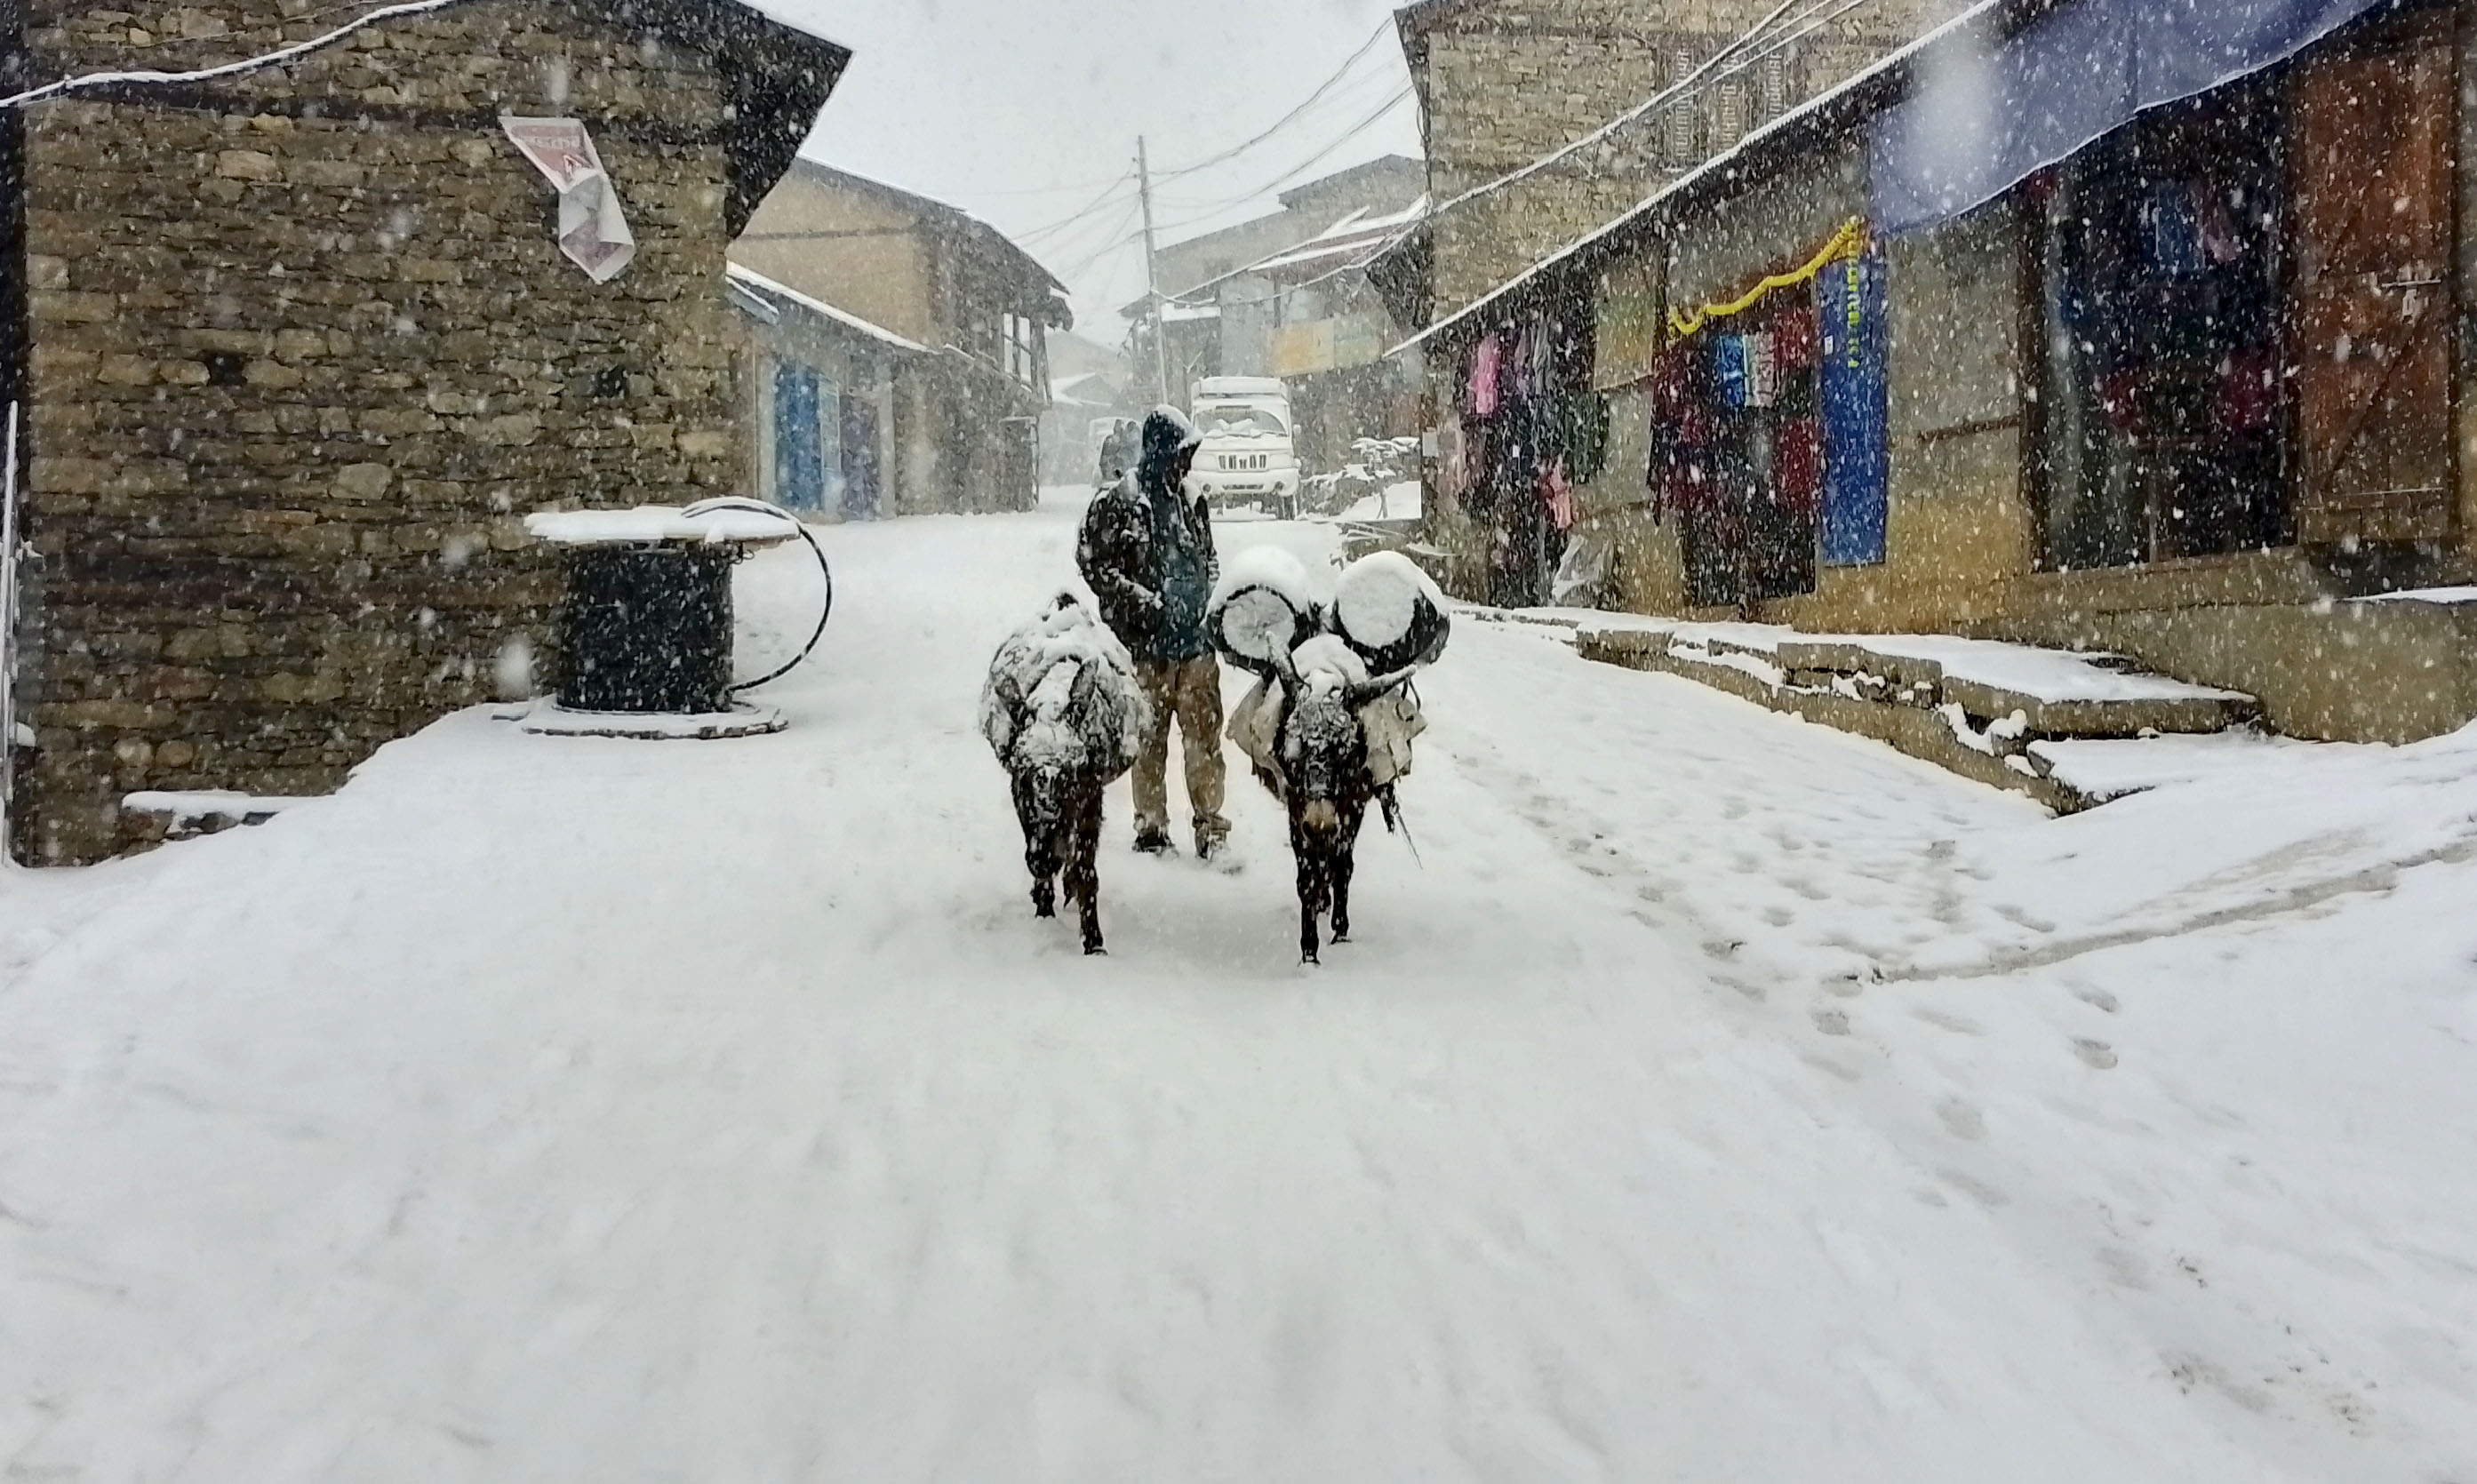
<point>1169,448</point>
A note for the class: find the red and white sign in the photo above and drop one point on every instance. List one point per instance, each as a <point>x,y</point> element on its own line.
<point>592,230</point>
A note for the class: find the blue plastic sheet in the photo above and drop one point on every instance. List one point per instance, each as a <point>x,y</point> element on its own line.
<point>1980,121</point>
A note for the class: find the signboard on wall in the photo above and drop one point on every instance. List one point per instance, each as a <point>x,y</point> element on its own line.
<point>1626,324</point>
<point>1303,349</point>
<point>592,230</point>
<point>1854,390</point>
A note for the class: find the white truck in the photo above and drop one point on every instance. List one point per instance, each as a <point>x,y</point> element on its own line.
<point>1247,457</point>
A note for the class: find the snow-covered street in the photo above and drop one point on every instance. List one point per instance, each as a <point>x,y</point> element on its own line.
<point>1713,1097</point>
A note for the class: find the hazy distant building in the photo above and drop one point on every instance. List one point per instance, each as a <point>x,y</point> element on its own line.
<point>944,304</point>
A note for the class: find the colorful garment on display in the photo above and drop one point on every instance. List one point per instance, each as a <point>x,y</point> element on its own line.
<point>1797,465</point>
<point>1730,374</point>
<point>2172,229</point>
<point>1763,370</point>
<point>1558,497</point>
<point>1484,377</point>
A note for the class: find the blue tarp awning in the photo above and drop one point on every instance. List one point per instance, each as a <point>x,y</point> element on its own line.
<point>1982,120</point>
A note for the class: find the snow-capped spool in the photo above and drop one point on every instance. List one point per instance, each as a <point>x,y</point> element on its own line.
<point>1391,613</point>
<point>646,642</point>
<point>1264,607</point>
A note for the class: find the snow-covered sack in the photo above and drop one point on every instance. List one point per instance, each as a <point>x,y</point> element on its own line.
<point>1585,575</point>
<point>1061,693</point>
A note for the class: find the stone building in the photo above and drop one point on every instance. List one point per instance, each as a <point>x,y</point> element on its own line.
<point>300,350</point>
<point>963,434</point>
<point>1504,83</point>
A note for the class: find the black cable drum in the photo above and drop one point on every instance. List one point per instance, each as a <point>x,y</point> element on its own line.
<point>649,629</point>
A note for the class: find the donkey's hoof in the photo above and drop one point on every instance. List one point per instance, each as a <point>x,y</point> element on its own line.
<point>1095,950</point>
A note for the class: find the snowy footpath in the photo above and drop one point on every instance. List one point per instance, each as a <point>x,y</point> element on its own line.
<point>1715,1098</point>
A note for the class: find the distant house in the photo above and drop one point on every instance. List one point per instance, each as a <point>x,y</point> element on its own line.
<point>1087,392</point>
<point>1189,272</point>
<point>821,393</point>
<point>299,352</point>
<point>1309,315</point>
<point>881,281</point>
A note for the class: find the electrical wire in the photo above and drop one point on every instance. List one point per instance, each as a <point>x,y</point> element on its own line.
<point>94,81</point>
<point>1277,125</point>
<point>1081,211</point>
<point>1207,213</point>
<point>825,613</point>
<point>1726,63</point>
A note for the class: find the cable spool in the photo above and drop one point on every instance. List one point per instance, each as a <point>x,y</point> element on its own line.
<point>647,629</point>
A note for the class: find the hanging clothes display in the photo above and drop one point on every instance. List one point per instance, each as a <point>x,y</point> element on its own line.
<point>1741,441</point>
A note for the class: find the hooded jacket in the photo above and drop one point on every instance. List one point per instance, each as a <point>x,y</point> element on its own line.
<point>1146,547</point>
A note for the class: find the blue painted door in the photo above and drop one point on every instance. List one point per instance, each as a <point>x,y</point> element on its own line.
<point>799,461</point>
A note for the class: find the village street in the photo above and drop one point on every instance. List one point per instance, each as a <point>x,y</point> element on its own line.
<point>1713,1097</point>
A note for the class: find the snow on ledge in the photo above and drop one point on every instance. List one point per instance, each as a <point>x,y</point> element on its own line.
<point>2441,597</point>
<point>192,806</point>
<point>659,522</point>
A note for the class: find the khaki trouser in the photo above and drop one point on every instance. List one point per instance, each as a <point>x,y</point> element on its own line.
<point>1188,690</point>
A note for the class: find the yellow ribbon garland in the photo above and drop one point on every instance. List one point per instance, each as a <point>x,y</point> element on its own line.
<point>1847,242</point>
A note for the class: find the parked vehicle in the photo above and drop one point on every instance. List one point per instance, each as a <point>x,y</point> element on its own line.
<point>1246,458</point>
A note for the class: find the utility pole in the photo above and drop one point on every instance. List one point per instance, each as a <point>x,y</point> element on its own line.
<point>1152,282</point>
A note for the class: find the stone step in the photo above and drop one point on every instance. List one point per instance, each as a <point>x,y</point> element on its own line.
<point>1912,692</point>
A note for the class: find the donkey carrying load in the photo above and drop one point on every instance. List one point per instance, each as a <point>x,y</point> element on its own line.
<point>1065,716</point>
<point>1329,725</point>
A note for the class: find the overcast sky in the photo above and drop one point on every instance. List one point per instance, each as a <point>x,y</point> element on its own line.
<point>1022,111</point>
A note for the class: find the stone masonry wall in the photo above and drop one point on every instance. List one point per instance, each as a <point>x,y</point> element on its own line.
<point>303,354</point>
<point>1511,81</point>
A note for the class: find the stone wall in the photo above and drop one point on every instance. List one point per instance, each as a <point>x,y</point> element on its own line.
<point>303,354</point>
<point>1506,82</point>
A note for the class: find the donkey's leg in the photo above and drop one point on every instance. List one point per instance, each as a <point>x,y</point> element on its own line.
<point>1345,860</point>
<point>1084,868</point>
<point>1312,887</point>
<point>1040,857</point>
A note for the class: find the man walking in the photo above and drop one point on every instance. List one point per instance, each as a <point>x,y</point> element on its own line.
<point>1146,550</point>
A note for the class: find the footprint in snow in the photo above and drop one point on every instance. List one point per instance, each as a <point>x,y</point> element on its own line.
<point>1961,1118</point>
<point>2098,1054</point>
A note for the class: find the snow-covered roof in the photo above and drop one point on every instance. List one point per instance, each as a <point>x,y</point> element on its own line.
<point>752,279</point>
<point>1174,311</point>
<point>1716,167</point>
<point>1356,235</point>
<point>1070,391</point>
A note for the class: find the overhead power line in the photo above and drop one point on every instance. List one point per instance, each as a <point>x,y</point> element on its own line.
<point>1749,48</point>
<point>1286,121</point>
<point>1081,211</point>
<point>1395,99</point>
<point>94,81</point>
